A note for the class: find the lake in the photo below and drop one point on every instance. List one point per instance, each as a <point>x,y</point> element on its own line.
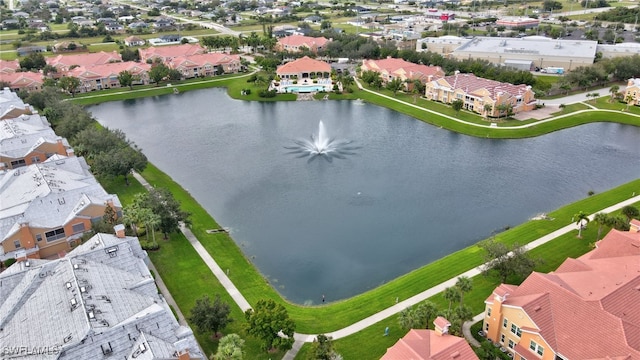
<point>406,194</point>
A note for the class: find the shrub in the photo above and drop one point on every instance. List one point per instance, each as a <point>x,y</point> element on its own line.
<point>149,245</point>
<point>246,91</point>
<point>267,93</point>
<point>9,262</point>
<point>295,82</point>
<point>252,78</point>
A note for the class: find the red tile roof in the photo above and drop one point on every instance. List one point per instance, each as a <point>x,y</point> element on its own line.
<point>588,308</point>
<point>171,51</point>
<point>107,70</point>
<point>409,69</point>
<point>472,85</point>
<point>305,64</point>
<point>87,59</point>
<point>20,80</point>
<point>202,59</point>
<point>9,66</point>
<point>427,345</point>
<point>301,40</point>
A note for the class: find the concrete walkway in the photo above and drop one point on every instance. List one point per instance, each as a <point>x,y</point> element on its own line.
<point>466,330</point>
<point>300,339</point>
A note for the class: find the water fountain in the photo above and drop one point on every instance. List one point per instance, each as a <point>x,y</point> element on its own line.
<point>322,146</point>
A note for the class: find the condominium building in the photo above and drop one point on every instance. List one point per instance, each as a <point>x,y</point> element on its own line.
<point>632,91</point>
<point>392,68</point>
<point>586,309</point>
<point>98,302</point>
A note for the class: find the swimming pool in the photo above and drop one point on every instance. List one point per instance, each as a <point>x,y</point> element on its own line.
<point>303,89</point>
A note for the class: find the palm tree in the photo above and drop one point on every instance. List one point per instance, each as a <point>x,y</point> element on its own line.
<point>425,311</point>
<point>464,285</point>
<point>601,219</point>
<point>595,96</point>
<point>487,110</point>
<point>460,315</point>
<point>629,99</point>
<point>580,218</point>
<point>630,212</point>
<point>613,91</point>
<point>451,294</point>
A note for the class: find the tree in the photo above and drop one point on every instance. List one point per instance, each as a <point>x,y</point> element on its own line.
<point>230,348</point>
<point>120,161</point>
<point>92,141</point>
<point>395,85</point>
<point>210,316</point>
<point>130,54</point>
<point>126,79</point>
<point>33,61</point>
<point>581,220</point>
<point>418,317</point>
<point>488,108</point>
<point>69,84</point>
<point>463,285</point>
<point>267,321</point>
<point>451,295</point>
<point>602,220</point>
<point>323,349</point>
<point>458,317</point>
<point>630,212</point>
<point>629,99</point>
<point>457,105</point>
<point>158,72</point>
<point>613,91</point>
<point>506,260</point>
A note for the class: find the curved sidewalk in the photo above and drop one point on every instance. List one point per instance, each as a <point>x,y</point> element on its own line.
<point>300,339</point>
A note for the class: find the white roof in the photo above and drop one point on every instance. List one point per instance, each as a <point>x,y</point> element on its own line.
<point>531,45</point>
<point>18,137</point>
<point>100,298</point>
<point>9,101</point>
<point>49,194</point>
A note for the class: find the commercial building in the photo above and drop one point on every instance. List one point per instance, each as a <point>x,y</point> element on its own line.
<point>443,45</point>
<point>586,309</point>
<point>98,302</point>
<point>617,50</point>
<point>541,51</point>
<point>512,22</point>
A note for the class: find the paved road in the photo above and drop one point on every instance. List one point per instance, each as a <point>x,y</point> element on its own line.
<point>582,97</point>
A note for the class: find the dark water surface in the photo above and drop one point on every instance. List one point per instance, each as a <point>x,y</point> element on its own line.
<point>410,194</point>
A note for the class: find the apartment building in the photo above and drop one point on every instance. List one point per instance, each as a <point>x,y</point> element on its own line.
<point>392,68</point>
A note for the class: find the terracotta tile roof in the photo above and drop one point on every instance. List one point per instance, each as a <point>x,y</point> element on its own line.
<point>401,67</point>
<point>305,64</point>
<point>427,345</point>
<point>473,85</point>
<point>202,59</point>
<point>107,70</point>
<point>88,59</point>
<point>9,66</point>
<point>584,310</point>
<point>301,40</point>
<point>22,79</point>
<point>171,51</point>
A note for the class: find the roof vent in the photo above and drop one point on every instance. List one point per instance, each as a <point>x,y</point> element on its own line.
<point>455,355</point>
<point>91,315</point>
<point>537,308</point>
<point>76,266</point>
<point>68,285</point>
<point>27,263</point>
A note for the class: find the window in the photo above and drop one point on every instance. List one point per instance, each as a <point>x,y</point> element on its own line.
<point>77,228</point>
<point>35,159</point>
<point>486,327</point>
<point>536,348</point>
<point>511,344</point>
<point>502,339</point>
<point>504,323</point>
<point>18,163</point>
<point>488,311</point>
<point>38,237</point>
<point>54,234</point>
<point>516,330</point>
<point>16,243</point>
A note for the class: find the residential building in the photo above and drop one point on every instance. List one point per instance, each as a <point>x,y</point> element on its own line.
<point>208,64</point>
<point>11,105</point>
<point>296,43</point>
<point>64,62</point>
<point>100,301</point>
<point>586,309</point>
<point>134,41</point>
<point>542,51</point>
<point>105,76</point>
<point>30,81</point>
<point>392,68</point>
<point>46,207</point>
<point>9,66</point>
<point>632,91</point>
<point>166,53</point>
<point>26,50</point>
<point>435,344</point>
<point>29,139</point>
<point>480,95</point>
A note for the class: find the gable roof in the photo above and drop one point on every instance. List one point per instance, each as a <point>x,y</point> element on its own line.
<point>22,135</point>
<point>23,79</point>
<point>400,66</point>
<point>594,293</point>
<point>9,66</point>
<point>109,69</point>
<point>428,345</point>
<point>171,51</point>
<point>473,85</point>
<point>203,59</point>
<point>87,59</point>
<point>304,64</point>
<point>301,40</point>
